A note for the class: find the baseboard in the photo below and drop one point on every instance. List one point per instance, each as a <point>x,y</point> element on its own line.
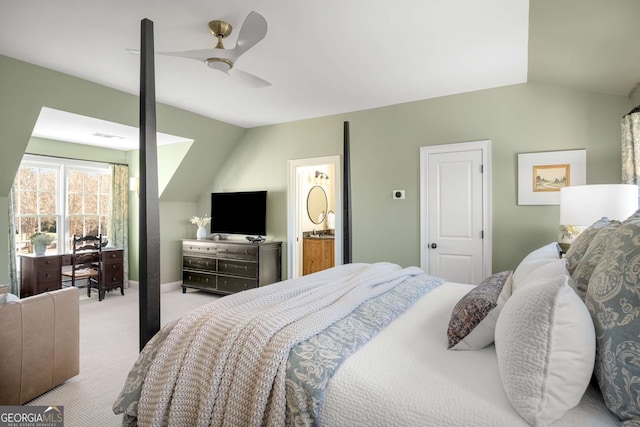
<point>172,286</point>
<point>164,287</point>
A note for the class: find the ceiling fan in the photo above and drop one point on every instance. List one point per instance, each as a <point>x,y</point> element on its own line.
<point>254,29</point>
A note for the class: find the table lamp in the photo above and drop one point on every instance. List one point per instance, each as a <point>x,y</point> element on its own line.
<point>582,205</point>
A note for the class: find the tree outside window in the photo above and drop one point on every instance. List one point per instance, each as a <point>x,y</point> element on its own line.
<point>89,203</point>
<point>43,203</point>
<point>35,206</point>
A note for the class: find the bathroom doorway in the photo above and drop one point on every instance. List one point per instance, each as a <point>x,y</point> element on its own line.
<point>314,220</point>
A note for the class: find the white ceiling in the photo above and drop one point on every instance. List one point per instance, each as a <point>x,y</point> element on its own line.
<point>333,56</point>
<point>322,58</point>
<point>64,126</point>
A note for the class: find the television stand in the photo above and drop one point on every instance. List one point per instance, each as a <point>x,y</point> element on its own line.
<point>225,267</point>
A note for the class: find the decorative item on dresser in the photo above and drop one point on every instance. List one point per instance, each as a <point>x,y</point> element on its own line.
<point>225,267</point>
<point>201,222</point>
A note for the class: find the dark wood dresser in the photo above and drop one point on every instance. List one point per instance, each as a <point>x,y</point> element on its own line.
<point>113,269</point>
<point>227,266</point>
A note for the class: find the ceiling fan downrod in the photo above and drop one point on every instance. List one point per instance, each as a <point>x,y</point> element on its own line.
<point>220,29</point>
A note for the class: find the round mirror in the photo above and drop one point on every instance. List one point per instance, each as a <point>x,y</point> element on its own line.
<point>317,204</point>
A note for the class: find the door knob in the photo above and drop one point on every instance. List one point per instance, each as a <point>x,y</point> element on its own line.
<point>434,245</point>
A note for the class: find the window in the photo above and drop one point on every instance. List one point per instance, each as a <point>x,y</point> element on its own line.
<point>60,197</point>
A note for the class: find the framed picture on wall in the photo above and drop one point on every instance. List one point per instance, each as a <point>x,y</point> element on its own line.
<point>541,175</point>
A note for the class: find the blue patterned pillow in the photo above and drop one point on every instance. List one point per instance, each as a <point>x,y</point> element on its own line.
<point>581,243</point>
<point>592,256</point>
<point>613,300</point>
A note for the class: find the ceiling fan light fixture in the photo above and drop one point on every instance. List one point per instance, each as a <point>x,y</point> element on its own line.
<point>220,64</point>
<point>253,29</point>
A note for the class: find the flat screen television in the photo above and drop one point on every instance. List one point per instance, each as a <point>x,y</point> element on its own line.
<point>239,213</point>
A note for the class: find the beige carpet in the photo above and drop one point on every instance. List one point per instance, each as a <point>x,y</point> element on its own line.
<point>109,342</point>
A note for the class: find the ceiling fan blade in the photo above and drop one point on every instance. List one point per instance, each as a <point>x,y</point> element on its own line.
<point>248,79</point>
<point>254,29</point>
<point>202,54</point>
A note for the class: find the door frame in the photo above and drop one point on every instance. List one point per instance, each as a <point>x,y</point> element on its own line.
<point>294,200</point>
<point>485,147</point>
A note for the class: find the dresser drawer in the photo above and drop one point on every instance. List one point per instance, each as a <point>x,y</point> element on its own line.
<point>199,279</point>
<point>235,284</point>
<point>112,255</point>
<point>207,264</point>
<point>48,280</point>
<point>199,248</point>
<point>237,251</point>
<point>48,276</point>
<point>47,263</point>
<point>113,273</point>
<point>240,268</point>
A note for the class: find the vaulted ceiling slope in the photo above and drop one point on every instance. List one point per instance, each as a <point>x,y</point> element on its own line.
<point>332,57</point>
<point>322,58</point>
<point>590,45</point>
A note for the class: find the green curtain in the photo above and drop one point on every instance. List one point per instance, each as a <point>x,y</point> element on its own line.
<point>119,225</point>
<point>14,286</point>
<point>631,147</point>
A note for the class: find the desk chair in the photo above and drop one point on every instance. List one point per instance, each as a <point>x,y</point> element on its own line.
<point>86,263</point>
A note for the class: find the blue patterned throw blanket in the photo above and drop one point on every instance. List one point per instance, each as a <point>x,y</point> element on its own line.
<point>263,357</point>
<point>312,363</point>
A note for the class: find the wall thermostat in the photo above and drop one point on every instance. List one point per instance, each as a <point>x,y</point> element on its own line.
<point>398,194</point>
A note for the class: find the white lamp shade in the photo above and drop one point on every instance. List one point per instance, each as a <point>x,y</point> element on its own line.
<point>583,205</point>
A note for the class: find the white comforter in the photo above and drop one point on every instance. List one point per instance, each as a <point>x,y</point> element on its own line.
<point>225,363</point>
<point>406,377</point>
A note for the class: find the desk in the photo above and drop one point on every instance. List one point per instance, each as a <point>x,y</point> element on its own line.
<point>43,273</point>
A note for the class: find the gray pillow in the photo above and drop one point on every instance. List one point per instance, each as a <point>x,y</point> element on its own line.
<point>591,258</point>
<point>613,300</point>
<point>581,243</point>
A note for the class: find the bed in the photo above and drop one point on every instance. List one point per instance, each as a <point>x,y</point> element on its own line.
<point>553,342</point>
<point>377,344</point>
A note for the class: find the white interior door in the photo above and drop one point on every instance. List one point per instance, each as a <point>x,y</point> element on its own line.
<point>454,219</point>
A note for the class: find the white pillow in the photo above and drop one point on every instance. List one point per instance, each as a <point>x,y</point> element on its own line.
<point>538,269</point>
<point>549,251</point>
<point>545,345</point>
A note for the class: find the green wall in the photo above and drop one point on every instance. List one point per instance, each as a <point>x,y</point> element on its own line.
<point>26,88</point>
<point>385,156</point>
<point>385,145</point>
<point>635,96</point>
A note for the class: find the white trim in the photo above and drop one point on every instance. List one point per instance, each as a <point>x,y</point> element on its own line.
<point>164,287</point>
<point>57,161</point>
<point>294,235</point>
<point>485,147</point>
<point>171,286</point>
<point>62,166</point>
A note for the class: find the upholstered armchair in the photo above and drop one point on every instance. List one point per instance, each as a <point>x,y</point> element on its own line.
<point>39,344</point>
